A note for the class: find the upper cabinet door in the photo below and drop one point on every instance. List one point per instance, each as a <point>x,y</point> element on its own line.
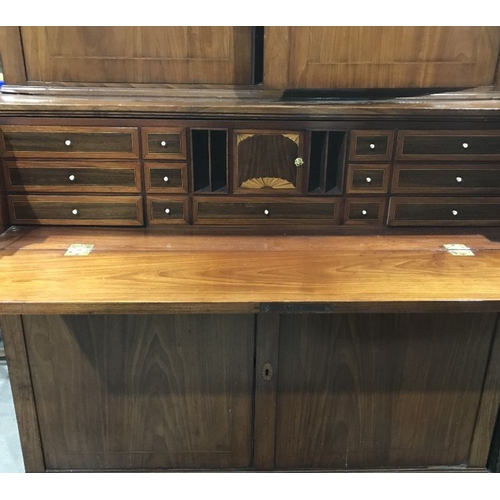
<point>380,56</point>
<point>134,54</point>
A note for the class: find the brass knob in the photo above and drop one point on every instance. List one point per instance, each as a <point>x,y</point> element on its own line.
<point>299,162</point>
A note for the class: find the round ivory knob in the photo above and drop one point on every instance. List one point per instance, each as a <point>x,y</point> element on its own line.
<point>368,179</point>
<point>163,143</point>
<point>167,210</point>
<point>364,212</point>
<point>465,145</point>
<point>459,179</point>
<point>71,177</point>
<point>454,212</point>
<point>372,146</point>
<point>67,142</point>
<point>165,179</point>
<point>74,211</point>
<point>266,212</point>
<point>299,162</point>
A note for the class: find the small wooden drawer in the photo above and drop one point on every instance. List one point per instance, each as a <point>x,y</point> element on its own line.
<point>72,177</point>
<point>166,177</point>
<point>264,211</point>
<point>448,145</point>
<point>70,142</point>
<point>371,145</point>
<point>164,143</point>
<point>367,179</point>
<point>364,211</point>
<point>76,210</point>
<point>444,212</point>
<point>168,210</point>
<point>425,178</point>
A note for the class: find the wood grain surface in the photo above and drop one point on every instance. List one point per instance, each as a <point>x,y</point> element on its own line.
<point>372,390</point>
<point>144,271</point>
<point>143,392</point>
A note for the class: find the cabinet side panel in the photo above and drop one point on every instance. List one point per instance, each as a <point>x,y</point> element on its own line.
<point>144,392</point>
<point>381,390</point>
<point>11,52</point>
<point>22,390</point>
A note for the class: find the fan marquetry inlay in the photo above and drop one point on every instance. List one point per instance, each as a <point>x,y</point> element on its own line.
<point>271,182</point>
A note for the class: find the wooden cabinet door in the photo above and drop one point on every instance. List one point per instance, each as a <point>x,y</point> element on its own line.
<point>135,54</point>
<point>143,392</point>
<point>380,56</point>
<point>379,391</point>
<point>268,161</point>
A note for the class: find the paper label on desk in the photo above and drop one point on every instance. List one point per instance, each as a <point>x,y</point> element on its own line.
<point>461,253</point>
<point>78,249</point>
<point>456,246</point>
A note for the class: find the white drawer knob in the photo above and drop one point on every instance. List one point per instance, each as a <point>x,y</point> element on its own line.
<point>364,212</point>
<point>266,212</point>
<point>71,177</point>
<point>163,143</point>
<point>459,179</point>
<point>368,179</point>
<point>74,211</point>
<point>165,179</point>
<point>167,210</point>
<point>454,212</point>
<point>372,146</point>
<point>465,145</point>
<point>67,142</point>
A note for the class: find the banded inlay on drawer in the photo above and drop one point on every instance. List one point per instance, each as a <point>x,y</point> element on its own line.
<point>456,178</point>
<point>443,145</point>
<point>166,177</point>
<point>70,142</point>
<point>72,176</point>
<point>264,211</point>
<point>164,143</point>
<point>444,212</point>
<point>364,211</point>
<point>76,210</point>
<point>371,145</point>
<point>168,209</point>
<point>367,178</point>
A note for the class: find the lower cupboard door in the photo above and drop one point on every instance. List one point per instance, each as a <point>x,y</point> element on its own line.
<point>379,390</point>
<point>143,392</point>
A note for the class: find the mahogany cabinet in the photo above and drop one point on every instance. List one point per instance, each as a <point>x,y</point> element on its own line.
<point>340,391</point>
<point>276,57</point>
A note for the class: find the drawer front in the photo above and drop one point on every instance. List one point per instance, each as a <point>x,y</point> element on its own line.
<point>166,177</point>
<point>168,210</point>
<point>264,211</point>
<point>371,145</point>
<point>367,179</point>
<point>444,212</point>
<point>166,143</point>
<point>68,142</point>
<point>76,210</point>
<point>364,211</point>
<point>427,178</point>
<point>454,145</point>
<point>72,177</point>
